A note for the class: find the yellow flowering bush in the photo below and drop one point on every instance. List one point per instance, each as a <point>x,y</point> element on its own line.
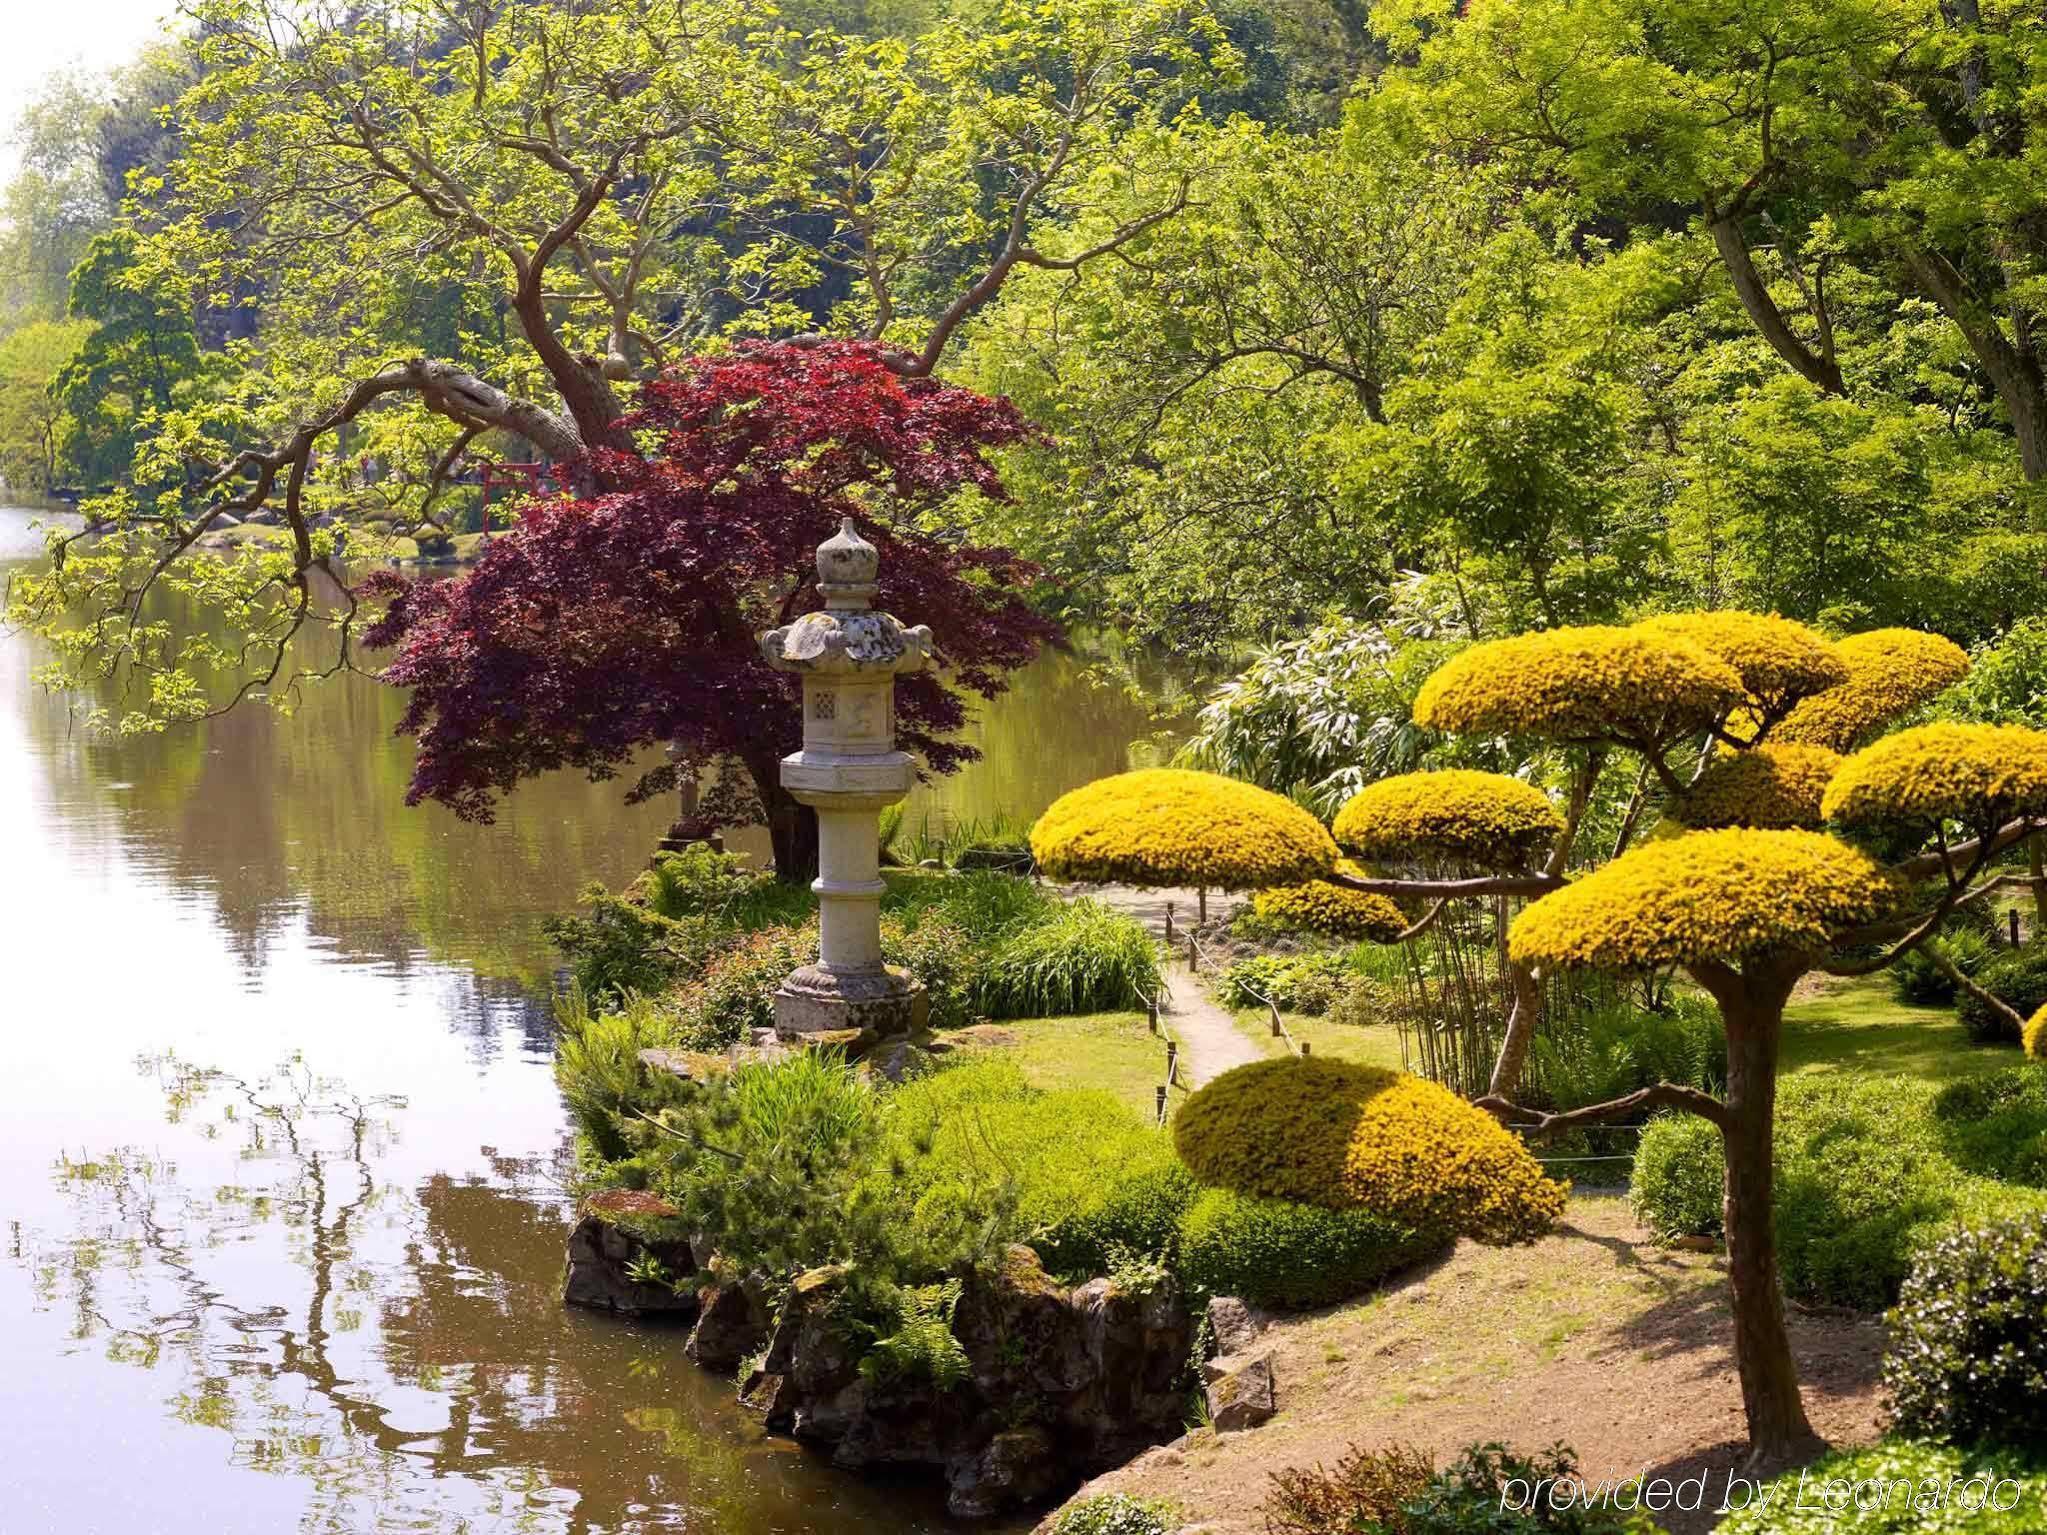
<point>1346,1136</point>
<point>1980,775</point>
<point>1317,906</point>
<point>1162,827</point>
<point>2035,1036</point>
<point>1779,783</point>
<point>1889,672</point>
<point>1712,895</point>
<point>1454,816</point>
<point>1589,683</point>
<point>1779,660</point>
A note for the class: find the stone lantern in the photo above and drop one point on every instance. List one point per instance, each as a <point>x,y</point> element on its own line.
<point>849,771</point>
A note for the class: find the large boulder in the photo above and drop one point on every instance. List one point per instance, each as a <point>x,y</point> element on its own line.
<point>1060,1383</point>
<point>729,1327</point>
<point>622,1260</point>
<point>1240,1391</point>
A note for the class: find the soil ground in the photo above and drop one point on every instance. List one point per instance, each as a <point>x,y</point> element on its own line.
<point>1595,1337</point>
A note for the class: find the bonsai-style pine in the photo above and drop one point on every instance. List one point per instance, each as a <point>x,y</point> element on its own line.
<point>1796,859</point>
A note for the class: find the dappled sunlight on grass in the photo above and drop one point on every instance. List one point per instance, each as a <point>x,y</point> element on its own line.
<point>1859,1025</point>
<point>1114,1052</point>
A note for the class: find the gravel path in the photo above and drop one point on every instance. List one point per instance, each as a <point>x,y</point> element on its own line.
<point>1210,1041</point>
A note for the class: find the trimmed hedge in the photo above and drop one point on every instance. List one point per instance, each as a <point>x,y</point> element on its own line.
<point>1273,1252</point>
<point>1865,1180</point>
<point>1346,1136</point>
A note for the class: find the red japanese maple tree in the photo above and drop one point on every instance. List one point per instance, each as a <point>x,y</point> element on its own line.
<point>598,627</point>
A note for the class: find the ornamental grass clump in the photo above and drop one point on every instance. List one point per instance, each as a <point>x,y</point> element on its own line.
<point>1717,896</point>
<point>1454,817</point>
<point>1890,673</point>
<point>1317,906</point>
<point>1777,785</point>
<point>1345,1136</point>
<point>1168,827</point>
<point>1581,684</point>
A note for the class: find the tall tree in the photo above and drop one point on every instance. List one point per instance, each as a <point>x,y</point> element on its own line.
<point>600,187</point>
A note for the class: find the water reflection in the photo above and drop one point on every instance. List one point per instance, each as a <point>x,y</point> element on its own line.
<point>393,1355</point>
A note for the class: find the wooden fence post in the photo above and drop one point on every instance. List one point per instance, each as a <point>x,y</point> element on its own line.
<point>1172,1059</point>
<point>2014,915</point>
<point>1162,1103</point>
<point>1304,1049</point>
<point>1169,922</point>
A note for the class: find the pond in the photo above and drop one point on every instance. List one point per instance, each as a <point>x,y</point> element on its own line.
<point>282,1162</point>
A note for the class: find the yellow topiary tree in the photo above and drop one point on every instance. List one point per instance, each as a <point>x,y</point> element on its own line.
<point>1454,817</point>
<point>1734,719</point>
<point>1890,672</point>
<point>1777,784</point>
<point>1317,906</point>
<point>2034,1036</point>
<point>1165,827</point>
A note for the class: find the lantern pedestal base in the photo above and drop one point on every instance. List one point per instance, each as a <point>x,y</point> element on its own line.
<point>876,1004</point>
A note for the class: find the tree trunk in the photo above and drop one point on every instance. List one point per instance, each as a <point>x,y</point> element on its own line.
<point>2014,371</point>
<point>1816,367</point>
<point>1779,1434</point>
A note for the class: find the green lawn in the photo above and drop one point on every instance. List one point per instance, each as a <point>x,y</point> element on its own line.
<point>1112,1051</point>
<point>1858,1025</point>
<point>1375,1045</point>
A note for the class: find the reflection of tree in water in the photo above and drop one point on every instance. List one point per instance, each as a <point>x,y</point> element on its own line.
<point>409,1361</point>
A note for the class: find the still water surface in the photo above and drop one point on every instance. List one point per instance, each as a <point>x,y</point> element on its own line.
<point>281,1158</point>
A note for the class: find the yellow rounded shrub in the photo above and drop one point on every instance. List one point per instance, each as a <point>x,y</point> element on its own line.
<point>1346,1136</point>
<point>1455,816</point>
<point>1588,683</point>
<point>1980,775</point>
<point>1889,672</point>
<point>1777,784</point>
<point>2035,1036</point>
<point>1316,906</point>
<point>1779,660</point>
<point>1709,895</point>
<point>1163,827</point>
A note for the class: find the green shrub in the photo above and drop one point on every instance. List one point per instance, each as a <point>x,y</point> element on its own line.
<point>597,1064</point>
<point>2016,977</point>
<point>1822,1498</point>
<point>1675,1190</point>
<point>1996,1124</point>
<point>736,993</point>
<point>1082,958</point>
<point>619,944</point>
<point>1273,1252</point>
<point>1114,1513</point>
<point>1366,1490</point>
<point>1139,1212</point>
<point>1915,980</point>
<point>945,959</point>
<point>978,1158</point>
<point>1863,1182</point>
<point>1968,1354</point>
<point>1298,983</point>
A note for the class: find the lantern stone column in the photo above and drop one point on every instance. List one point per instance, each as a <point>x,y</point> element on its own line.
<point>849,771</point>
